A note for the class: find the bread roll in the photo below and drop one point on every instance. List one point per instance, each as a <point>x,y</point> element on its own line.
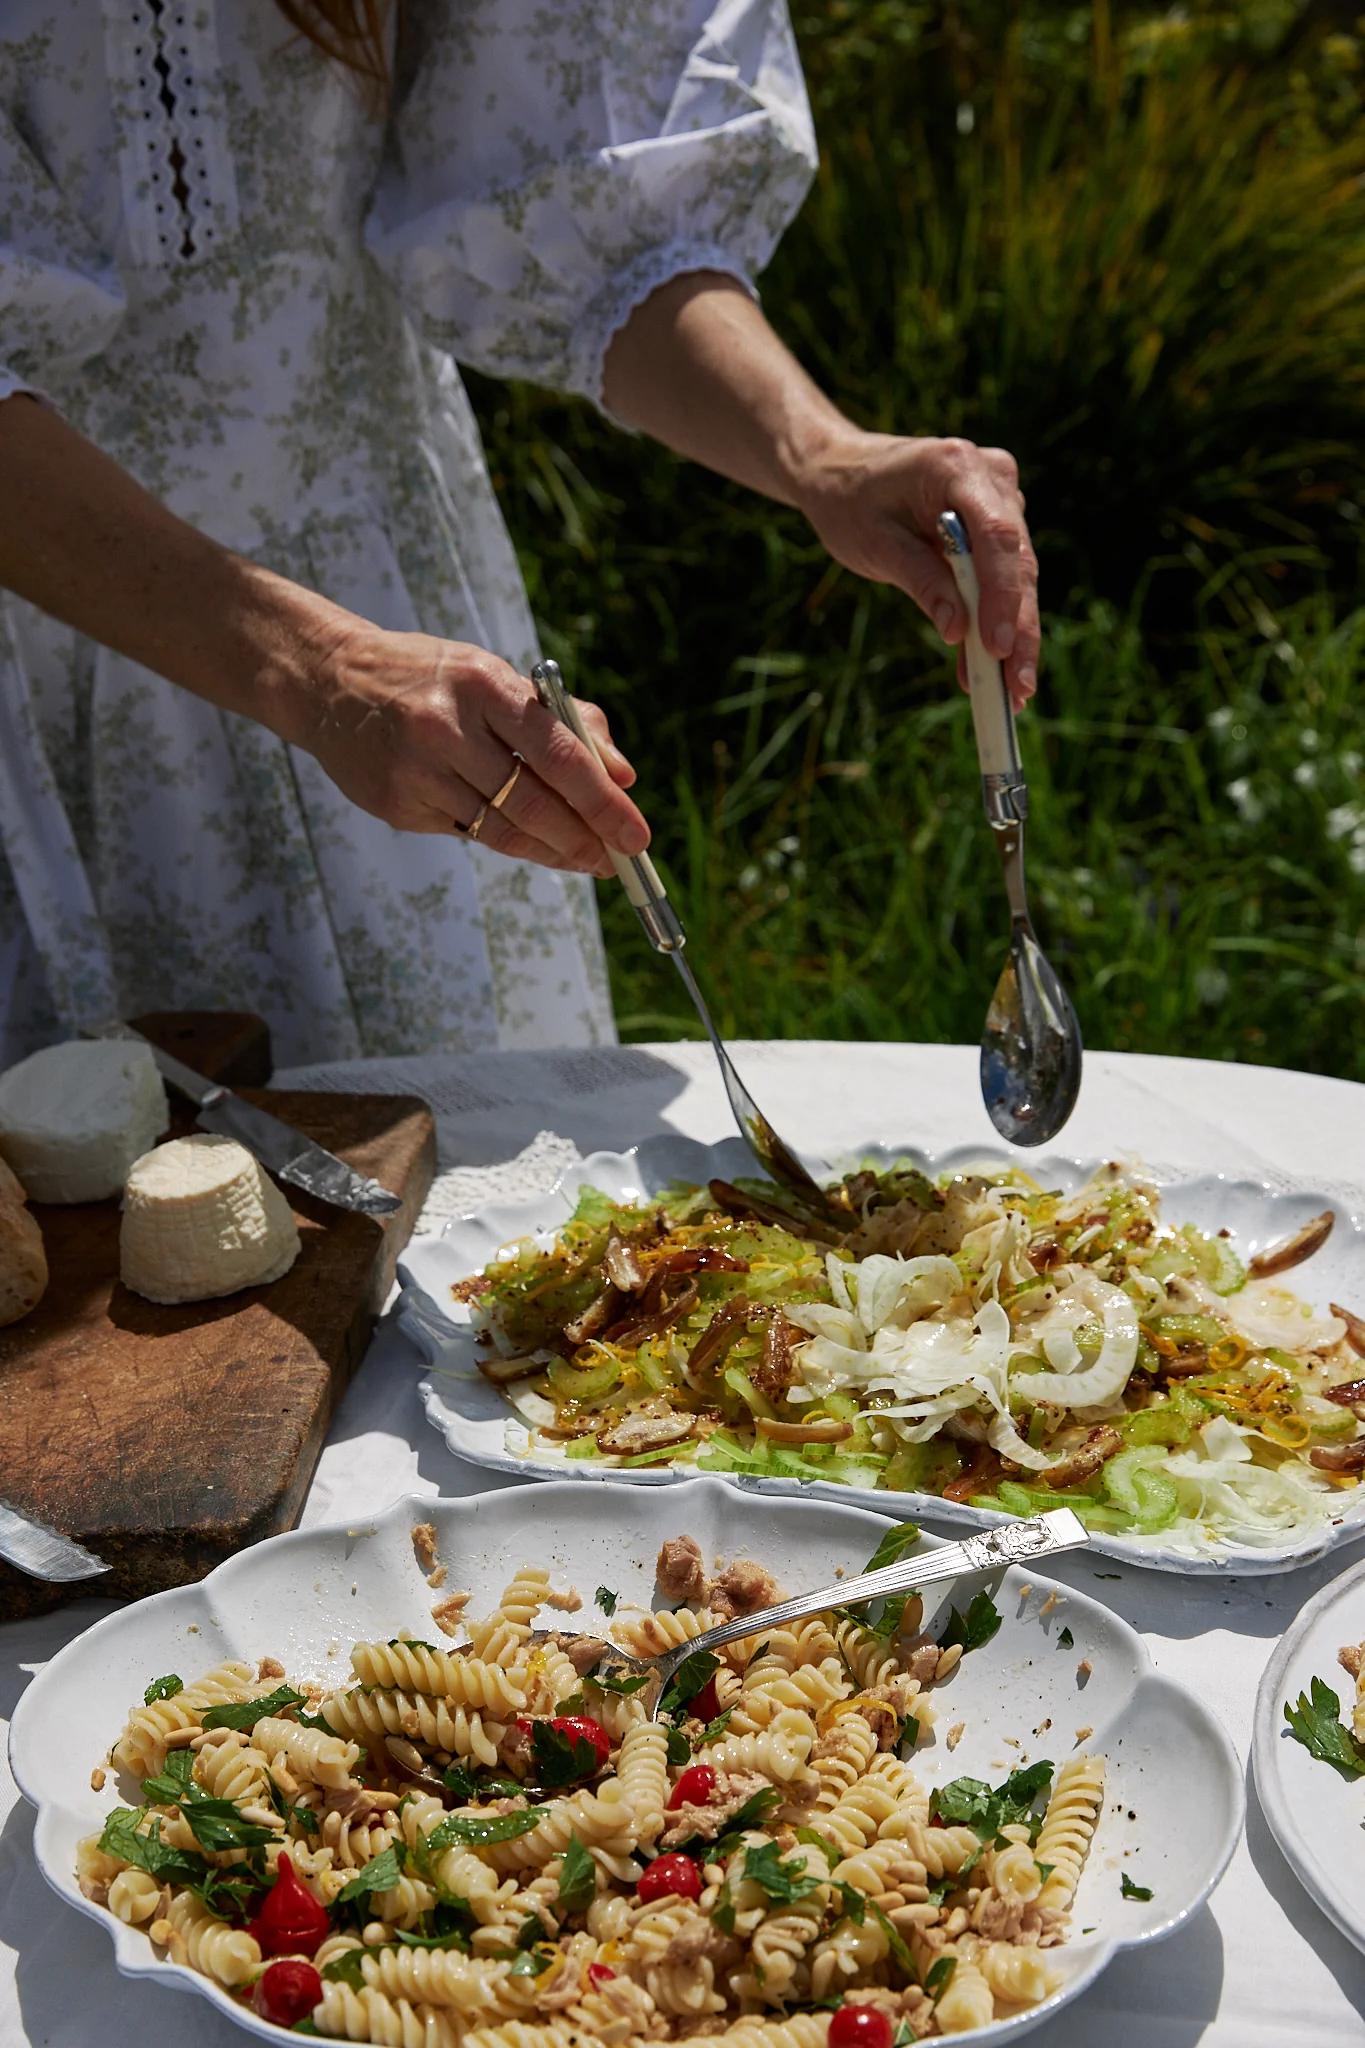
<point>23,1262</point>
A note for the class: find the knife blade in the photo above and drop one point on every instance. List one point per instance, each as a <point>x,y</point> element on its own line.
<point>43,1552</point>
<point>288,1154</point>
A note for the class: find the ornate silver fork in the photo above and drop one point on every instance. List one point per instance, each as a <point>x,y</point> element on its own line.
<point>988,1550</point>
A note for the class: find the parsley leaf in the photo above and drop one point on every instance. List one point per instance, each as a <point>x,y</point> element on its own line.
<point>893,1546</point>
<point>303,1815</point>
<point>623,1683</point>
<point>531,1930</point>
<point>751,1815</point>
<point>577,1878</point>
<point>1316,1724</point>
<point>531,1962</point>
<point>120,1837</point>
<point>606,1600</point>
<point>901,1537</point>
<point>1065,1639</point>
<point>305,2027</point>
<point>246,1713</point>
<point>688,1680</point>
<point>471,1786</point>
<point>477,1830</point>
<point>459,1912</point>
<point>713,1730</point>
<point>895,1941</point>
<point>854,1903</point>
<point>969,1802</point>
<point>169,1785</point>
<point>163,1688</point>
<point>904,2035</point>
<point>217,1824</point>
<point>940,1976</point>
<point>786,1883</point>
<point>814,1841</point>
<point>1131,1890</point>
<point>974,1628</point>
<point>679,1748</point>
<point>380,1874</point>
<point>723,1912</point>
<point>561,1758</point>
<point>410,1643</point>
<point>232,1894</point>
<point>345,1969</point>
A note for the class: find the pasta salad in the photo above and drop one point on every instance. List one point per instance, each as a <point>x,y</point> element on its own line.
<point>982,1337</point>
<point>493,1846</point>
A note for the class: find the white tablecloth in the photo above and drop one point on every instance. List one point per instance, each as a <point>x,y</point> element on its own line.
<point>1259,1967</point>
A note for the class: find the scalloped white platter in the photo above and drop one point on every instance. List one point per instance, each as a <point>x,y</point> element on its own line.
<point>1316,1816</point>
<point>481,1428</point>
<point>1173,1807</point>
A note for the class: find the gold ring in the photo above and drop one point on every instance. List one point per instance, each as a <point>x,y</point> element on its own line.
<point>494,802</point>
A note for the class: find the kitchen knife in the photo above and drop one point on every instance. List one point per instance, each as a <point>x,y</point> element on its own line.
<point>279,1147</point>
<point>44,1553</point>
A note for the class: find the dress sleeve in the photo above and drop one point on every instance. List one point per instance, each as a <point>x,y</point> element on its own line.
<point>60,300</point>
<point>549,167</point>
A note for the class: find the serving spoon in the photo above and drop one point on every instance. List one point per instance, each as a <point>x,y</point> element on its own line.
<point>1031,1045</point>
<point>639,878</point>
<point>987,1550</point>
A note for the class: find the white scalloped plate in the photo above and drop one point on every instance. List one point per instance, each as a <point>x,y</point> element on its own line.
<point>1315,1815</point>
<point>480,1427</point>
<point>1173,1804</point>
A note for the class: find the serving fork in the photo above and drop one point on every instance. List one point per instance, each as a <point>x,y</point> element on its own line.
<point>986,1550</point>
<point>639,878</point>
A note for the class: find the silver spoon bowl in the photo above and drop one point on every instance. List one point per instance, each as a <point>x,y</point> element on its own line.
<point>1031,1044</point>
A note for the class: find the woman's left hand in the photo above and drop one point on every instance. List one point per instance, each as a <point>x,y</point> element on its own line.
<point>875,499</point>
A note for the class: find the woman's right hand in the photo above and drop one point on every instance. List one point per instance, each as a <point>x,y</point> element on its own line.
<point>422,732</point>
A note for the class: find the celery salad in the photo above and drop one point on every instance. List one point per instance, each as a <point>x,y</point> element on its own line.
<point>980,1337</point>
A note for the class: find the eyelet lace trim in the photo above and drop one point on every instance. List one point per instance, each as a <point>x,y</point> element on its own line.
<point>180,195</point>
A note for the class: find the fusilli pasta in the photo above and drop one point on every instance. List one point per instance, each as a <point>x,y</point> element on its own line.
<point>500,1853</point>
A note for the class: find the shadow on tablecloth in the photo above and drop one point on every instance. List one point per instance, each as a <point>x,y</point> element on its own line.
<point>1313,1927</point>
<point>66,1985</point>
<point>1166,1998</point>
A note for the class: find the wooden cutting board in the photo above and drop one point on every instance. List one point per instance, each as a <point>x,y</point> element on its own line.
<point>168,1438</point>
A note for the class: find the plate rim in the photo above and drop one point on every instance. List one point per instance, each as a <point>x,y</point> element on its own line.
<point>134,1957</point>
<point>1232,1563</point>
<point>1267,1721</point>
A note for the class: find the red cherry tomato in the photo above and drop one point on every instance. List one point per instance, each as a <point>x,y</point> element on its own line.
<point>287,1992</point>
<point>582,1728</point>
<point>600,1973</point>
<point>670,1876</point>
<point>290,1922</point>
<point>706,1703</point>
<point>861,2026</point>
<point>694,1787</point>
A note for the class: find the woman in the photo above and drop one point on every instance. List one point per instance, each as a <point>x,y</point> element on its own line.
<point>264,657</point>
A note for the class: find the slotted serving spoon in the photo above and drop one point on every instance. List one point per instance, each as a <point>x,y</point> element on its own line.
<point>1031,1045</point>
<point>988,1550</point>
<point>639,878</point>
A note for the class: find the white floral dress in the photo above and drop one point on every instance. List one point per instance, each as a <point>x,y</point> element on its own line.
<point>251,290</point>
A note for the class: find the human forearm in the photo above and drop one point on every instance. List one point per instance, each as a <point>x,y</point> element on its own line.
<point>420,731</point>
<point>699,368</point>
<point>83,541</point>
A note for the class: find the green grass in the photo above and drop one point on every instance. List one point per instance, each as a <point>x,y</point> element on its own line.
<point>1129,245</point>
<point>1199,876</point>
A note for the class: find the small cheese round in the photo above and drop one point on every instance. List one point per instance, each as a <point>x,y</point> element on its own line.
<point>74,1117</point>
<point>201,1218</point>
<point>23,1259</point>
